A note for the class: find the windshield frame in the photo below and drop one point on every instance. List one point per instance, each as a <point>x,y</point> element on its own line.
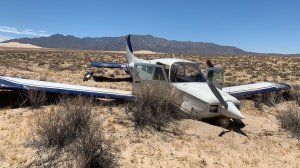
<point>171,77</point>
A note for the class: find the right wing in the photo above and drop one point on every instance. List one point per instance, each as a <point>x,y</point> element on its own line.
<point>10,83</point>
<point>256,88</point>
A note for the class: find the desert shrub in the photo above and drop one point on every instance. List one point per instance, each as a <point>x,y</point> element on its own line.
<point>71,130</point>
<point>269,99</point>
<point>295,93</point>
<point>3,72</point>
<point>154,107</point>
<point>91,150</point>
<point>289,120</point>
<point>36,98</point>
<point>62,125</point>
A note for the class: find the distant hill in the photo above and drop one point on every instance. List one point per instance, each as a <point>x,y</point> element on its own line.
<point>139,42</point>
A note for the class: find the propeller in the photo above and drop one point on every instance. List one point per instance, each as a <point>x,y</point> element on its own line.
<point>217,94</point>
<point>230,110</point>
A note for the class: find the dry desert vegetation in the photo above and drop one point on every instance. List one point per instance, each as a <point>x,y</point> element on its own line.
<point>114,134</point>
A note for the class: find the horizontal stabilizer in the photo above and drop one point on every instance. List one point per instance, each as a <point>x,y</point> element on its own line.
<point>256,88</point>
<point>108,65</point>
<point>60,88</point>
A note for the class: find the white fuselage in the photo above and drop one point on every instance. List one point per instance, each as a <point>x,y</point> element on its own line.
<point>197,96</point>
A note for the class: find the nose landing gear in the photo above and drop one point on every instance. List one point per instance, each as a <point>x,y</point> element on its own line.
<point>230,123</point>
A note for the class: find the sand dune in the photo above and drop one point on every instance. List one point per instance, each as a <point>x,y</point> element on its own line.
<point>17,45</point>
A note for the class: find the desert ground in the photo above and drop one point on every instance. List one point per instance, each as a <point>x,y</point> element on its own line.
<point>199,144</point>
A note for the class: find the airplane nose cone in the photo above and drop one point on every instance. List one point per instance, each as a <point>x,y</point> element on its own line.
<point>232,111</point>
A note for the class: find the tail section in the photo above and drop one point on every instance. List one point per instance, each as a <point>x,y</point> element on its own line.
<point>130,56</point>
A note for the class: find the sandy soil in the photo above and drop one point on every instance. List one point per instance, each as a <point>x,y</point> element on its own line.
<point>199,145</point>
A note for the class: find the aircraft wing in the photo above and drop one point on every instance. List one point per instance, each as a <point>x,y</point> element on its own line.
<point>256,88</point>
<point>108,65</point>
<point>10,83</point>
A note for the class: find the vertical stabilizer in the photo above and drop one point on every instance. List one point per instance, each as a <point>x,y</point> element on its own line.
<point>129,51</point>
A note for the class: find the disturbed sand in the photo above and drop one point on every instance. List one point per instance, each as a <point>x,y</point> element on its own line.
<point>199,145</point>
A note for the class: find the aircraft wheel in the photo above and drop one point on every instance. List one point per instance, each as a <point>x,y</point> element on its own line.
<point>224,122</point>
<point>88,76</point>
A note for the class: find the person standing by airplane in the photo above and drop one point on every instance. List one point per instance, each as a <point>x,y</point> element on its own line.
<point>210,74</point>
<point>209,63</point>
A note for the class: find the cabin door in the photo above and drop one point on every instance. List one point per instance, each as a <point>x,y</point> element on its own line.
<point>216,76</point>
<point>148,75</point>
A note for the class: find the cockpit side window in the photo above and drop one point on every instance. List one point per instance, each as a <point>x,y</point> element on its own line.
<point>186,72</point>
<point>149,72</point>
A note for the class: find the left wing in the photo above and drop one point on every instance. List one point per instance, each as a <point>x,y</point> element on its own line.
<point>10,83</point>
<point>108,65</point>
<point>256,88</point>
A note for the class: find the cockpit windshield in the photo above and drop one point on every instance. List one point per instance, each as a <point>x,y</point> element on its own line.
<point>186,72</point>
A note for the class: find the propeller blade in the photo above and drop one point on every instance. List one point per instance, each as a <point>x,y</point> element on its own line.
<point>217,94</point>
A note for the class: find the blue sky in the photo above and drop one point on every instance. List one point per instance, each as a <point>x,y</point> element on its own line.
<point>252,25</point>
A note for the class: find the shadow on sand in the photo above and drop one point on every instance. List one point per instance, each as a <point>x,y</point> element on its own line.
<point>233,126</point>
<point>106,79</point>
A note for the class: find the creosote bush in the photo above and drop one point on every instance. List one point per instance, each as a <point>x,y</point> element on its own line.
<point>36,98</point>
<point>295,92</point>
<point>72,129</point>
<point>154,107</point>
<point>91,150</point>
<point>270,99</point>
<point>289,120</point>
<point>60,126</point>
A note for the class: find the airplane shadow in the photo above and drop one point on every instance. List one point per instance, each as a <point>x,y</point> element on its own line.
<point>239,131</point>
<point>107,79</point>
<point>12,99</point>
<point>17,99</point>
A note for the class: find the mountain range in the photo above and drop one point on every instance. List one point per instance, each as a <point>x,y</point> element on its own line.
<point>139,42</point>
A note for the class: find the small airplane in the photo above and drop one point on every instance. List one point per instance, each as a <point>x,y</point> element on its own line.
<point>203,96</point>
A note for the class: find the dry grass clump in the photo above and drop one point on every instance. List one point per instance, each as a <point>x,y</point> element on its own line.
<point>269,99</point>
<point>289,120</point>
<point>91,150</point>
<point>59,127</point>
<point>36,98</point>
<point>295,93</point>
<point>154,107</point>
<point>71,130</point>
